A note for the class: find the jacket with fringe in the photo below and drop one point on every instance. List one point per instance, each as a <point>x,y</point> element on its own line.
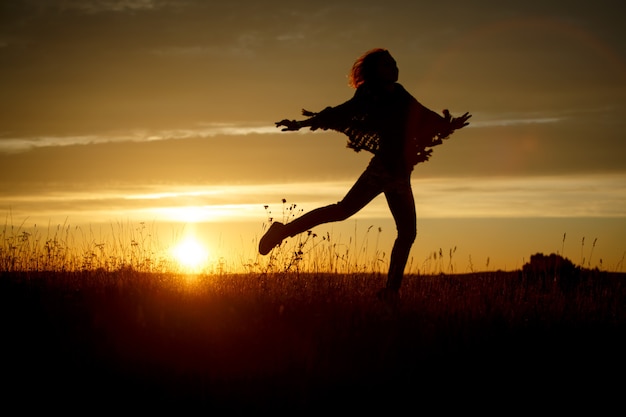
<point>390,123</point>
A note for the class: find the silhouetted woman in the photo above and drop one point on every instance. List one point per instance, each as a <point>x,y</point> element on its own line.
<point>384,119</point>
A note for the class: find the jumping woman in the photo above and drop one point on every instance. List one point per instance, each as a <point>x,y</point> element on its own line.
<point>384,119</point>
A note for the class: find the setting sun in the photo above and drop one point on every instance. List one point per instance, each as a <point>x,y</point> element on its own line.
<point>190,254</point>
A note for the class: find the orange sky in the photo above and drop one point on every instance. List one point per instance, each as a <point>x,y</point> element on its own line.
<point>146,110</point>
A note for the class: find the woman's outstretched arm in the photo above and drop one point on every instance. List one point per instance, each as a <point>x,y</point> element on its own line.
<point>336,118</point>
<point>294,124</point>
<point>315,121</point>
<point>456,122</point>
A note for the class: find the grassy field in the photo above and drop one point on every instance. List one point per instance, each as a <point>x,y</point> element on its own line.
<point>108,326</point>
<point>287,341</point>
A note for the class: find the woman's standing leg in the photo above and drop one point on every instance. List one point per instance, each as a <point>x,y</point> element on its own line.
<point>402,206</point>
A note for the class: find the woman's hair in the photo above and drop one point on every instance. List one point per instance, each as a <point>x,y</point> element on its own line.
<point>364,68</point>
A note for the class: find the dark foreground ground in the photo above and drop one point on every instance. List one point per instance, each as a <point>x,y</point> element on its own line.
<point>488,342</point>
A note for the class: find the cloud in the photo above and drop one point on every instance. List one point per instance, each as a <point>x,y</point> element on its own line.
<point>514,122</point>
<point>601,195</point>
<point>528,118</point>
<point>187,51</point>
<point>594,196</point>
<point>204,130</point>
<point>99,6</point>
<point>13,145</point>
<point>241,45</point>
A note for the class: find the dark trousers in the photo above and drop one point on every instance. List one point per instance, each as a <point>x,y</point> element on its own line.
<point>375,180</point>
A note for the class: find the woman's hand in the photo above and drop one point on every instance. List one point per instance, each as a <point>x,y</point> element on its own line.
<point>456,122</point>
<point>289,125</point>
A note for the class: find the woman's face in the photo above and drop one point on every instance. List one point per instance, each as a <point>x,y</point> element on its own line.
<point>387,69</point>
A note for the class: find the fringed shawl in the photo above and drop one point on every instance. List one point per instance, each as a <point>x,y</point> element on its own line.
<point>390,124</point>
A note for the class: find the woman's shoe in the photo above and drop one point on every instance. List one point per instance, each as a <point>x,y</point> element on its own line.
<point>272,238</point>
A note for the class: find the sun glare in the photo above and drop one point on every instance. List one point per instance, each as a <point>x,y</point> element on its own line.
<point>190,254</point>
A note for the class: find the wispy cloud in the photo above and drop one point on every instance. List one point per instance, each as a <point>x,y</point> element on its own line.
<point>98,6</point>
<point>515,122</point>
<point>529,197</point>
<point>13,145</point>
<point>596,196</point>
<point>536,117</point>
<point>242,45</point>
<point>187,51</point>
<point>205,130</point>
